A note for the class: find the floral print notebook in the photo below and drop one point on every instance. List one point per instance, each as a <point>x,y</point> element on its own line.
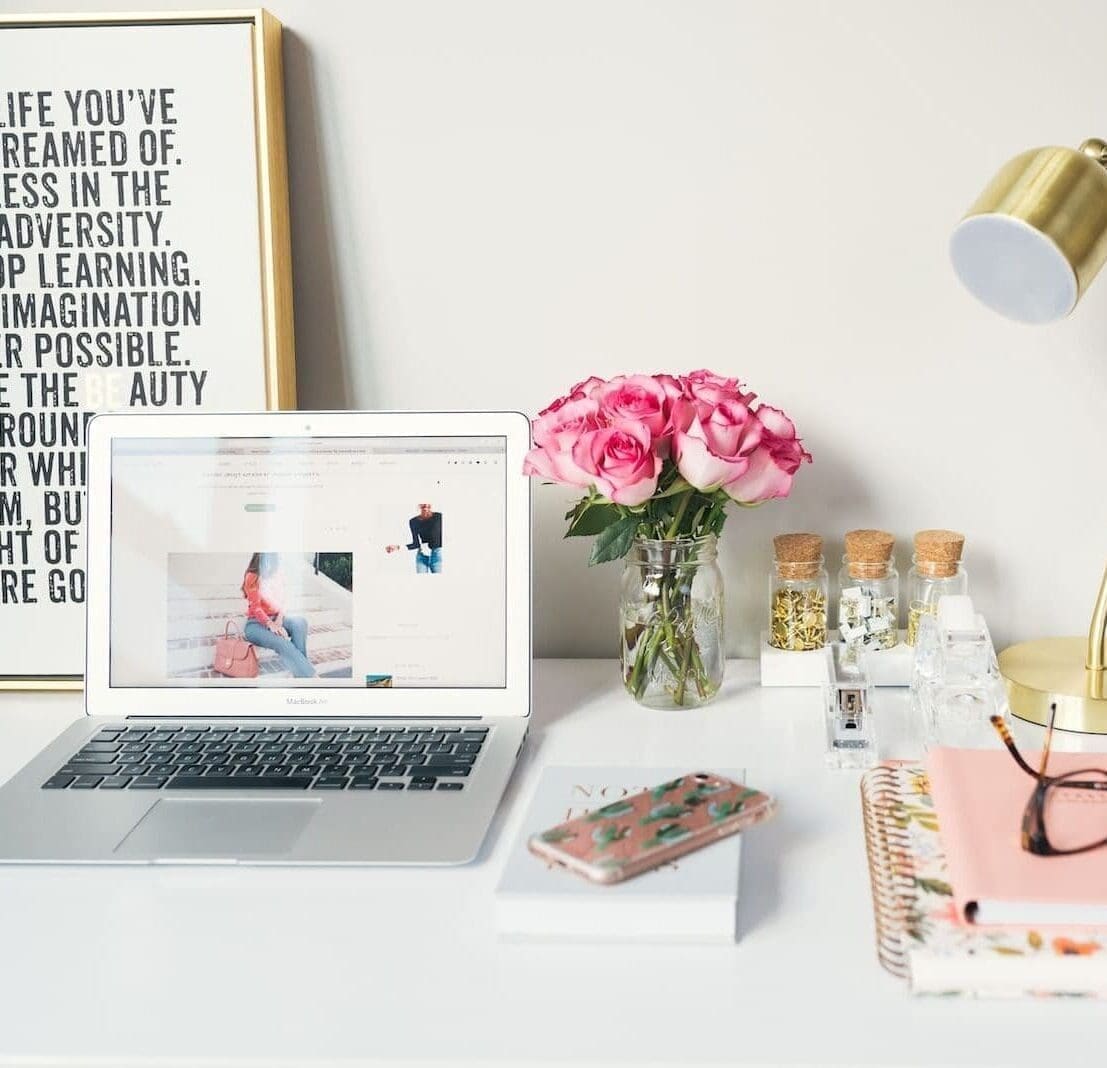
<point>920,934</point>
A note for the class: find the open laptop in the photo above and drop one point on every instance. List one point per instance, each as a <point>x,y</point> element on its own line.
<point>308,643</point>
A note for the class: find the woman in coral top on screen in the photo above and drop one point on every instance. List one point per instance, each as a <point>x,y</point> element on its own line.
<point>266,623</point>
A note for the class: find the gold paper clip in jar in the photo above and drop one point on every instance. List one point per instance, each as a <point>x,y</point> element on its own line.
<point>798,589</point>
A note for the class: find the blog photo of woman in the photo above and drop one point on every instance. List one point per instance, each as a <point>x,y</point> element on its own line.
<point>286,615</point>
<point>267,624</point>
<point>426,540</point>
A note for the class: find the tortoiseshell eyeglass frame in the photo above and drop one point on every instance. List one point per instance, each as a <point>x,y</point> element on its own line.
<point>1035,837</point>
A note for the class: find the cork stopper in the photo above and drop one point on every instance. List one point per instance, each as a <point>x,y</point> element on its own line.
<point>938,552</point>
<point>798,556</point>
<point>868,552</point>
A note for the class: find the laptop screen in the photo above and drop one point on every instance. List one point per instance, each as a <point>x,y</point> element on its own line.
<point>308,562</point>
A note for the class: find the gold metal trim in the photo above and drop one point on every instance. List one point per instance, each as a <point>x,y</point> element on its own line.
<point>274,228</point>
<point>1068,672</point>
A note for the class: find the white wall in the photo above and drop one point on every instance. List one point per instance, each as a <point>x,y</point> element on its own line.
<point>493,198</point>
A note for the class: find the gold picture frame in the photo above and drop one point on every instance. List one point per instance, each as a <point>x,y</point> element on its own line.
<point>277,389</point>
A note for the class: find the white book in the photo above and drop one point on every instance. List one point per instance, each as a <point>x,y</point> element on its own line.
<point>694,899</point>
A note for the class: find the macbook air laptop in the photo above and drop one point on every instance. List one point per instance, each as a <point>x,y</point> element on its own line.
<point>308,643</point>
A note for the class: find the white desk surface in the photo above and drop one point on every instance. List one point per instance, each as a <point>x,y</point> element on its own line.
<point>227,965</point>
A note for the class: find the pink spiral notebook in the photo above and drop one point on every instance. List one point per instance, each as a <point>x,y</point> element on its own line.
<point>979,796</point>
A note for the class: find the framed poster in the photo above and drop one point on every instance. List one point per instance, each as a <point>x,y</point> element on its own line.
<point>144,263</point>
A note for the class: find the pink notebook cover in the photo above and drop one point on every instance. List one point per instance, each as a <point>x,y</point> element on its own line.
<point>979,796</point>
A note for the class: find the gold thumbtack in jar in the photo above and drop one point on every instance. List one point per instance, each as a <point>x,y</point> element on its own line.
<point>798,591</point>
<point>868,591</point>
<point>936,572</point>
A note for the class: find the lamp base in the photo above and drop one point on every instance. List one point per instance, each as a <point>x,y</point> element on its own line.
<point>1052,670</point>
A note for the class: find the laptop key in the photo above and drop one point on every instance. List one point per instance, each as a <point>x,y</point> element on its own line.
<point>420,784</point>
<point>330,782</point>
<point>452,772</point>
<point>238,782</point>
<point>85,782</point>
<point>362,782</point>
<point>148,782</point>
<point>101,747</point>
<point>115,782</point>
<point>390,786</point>
<point>89,769</point>
<point>58,782</point>
<point>450,786</point>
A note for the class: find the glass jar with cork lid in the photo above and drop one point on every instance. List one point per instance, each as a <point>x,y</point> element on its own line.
<point>868,586</point>
<point>936,572</point>
<point>798,592</point>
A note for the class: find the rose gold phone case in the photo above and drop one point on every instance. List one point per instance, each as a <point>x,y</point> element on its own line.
<point>646,830</point>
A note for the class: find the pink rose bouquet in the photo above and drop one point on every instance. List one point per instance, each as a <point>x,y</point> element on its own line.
<point>660,458</point>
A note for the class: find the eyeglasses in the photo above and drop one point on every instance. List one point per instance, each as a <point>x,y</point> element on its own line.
<point>1036,815</point>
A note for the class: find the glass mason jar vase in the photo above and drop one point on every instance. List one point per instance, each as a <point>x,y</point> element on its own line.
<point>671,622</point>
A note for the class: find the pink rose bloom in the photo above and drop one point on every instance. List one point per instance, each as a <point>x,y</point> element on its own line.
<point>636,398</point>
<point>774,464</point>
<point>706,390</point>
<point>556,431</point>
<point>587,387</point>
<point>704,377</point>
<point>715,450</point>
<point>620,462</point>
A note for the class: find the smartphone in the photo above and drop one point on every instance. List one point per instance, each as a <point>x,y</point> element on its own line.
<point>645,830</point>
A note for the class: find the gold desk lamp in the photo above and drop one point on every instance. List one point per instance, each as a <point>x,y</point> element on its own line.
<point>1029,248</point>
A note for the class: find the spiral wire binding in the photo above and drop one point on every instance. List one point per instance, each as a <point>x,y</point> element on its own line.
<point>891,866</point>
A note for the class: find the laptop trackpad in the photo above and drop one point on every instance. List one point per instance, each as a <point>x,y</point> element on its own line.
<point>220,829</point>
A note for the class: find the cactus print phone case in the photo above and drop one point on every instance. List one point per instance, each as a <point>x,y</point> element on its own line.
<point>645,830</point>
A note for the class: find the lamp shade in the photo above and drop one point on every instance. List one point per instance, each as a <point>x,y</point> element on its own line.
<point>1036,237</point>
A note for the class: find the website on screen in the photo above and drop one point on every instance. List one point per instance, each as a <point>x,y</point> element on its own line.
<point>364,562</point>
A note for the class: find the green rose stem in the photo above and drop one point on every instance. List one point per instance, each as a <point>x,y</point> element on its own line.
<point>681,509</point>
<point>682,677</point>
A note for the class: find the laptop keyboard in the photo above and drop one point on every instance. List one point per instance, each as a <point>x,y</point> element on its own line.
<point>215,756</point>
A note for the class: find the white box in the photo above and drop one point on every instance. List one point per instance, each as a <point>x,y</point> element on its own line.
<point>886,667</point>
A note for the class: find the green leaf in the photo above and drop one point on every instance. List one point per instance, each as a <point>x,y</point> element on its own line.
<point>615,808</point>
<point>663,812</point>
<point>592,519</point>
<point>659,791</point>
<point>614,541</point>
<point>556,834</point>
<point>678,486</point>
<point>935,886</point>
<point>667,832</point>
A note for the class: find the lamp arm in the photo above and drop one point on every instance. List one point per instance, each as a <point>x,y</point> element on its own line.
<point>1097,633</point>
